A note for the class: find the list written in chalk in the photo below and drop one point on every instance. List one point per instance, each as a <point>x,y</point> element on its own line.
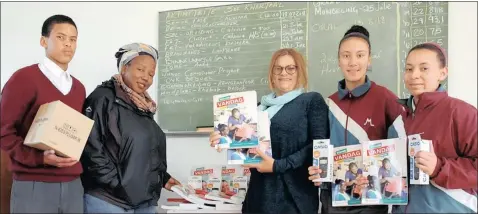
<point>218,50</point>
<point>214,50</point>
<point>421,22</point>
<point>327,25</point>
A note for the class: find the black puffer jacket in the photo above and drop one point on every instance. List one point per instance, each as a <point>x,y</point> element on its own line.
<point>124,160</point>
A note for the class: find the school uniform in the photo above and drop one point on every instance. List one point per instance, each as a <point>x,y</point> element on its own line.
<point>368,112</point>
<point>37,187</point>
<point>450,124</point>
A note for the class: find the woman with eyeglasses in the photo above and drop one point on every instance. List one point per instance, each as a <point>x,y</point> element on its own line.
<point>279,184</point>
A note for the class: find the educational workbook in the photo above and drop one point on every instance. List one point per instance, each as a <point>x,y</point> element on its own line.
<point>348,181</point>
<point>235,117</point>
<point>209,178</point>
<point>371,173</point>
<point>386,168</point>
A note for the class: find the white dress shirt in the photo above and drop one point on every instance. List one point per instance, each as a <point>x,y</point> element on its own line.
<point>60,78</point>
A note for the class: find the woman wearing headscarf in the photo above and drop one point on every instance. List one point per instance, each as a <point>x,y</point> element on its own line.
<point>125,156</point>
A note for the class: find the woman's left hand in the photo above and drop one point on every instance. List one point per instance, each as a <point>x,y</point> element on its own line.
<point>265,166</point>
<point>171,182</point>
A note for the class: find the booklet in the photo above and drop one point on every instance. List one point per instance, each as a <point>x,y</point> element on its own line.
<point>235,117</point>
<point>371,173</point>
<point>386,168</point>
<point>207,178</point>
<point>348,176</point>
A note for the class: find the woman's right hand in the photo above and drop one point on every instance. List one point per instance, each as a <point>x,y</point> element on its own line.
<point>214,139</point>
<point>314,172</point>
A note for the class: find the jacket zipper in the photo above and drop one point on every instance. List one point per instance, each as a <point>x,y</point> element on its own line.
<point>413,118</point>
<point>347,119</point>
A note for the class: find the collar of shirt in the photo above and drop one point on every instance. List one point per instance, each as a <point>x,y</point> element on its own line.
<point>55,69</point>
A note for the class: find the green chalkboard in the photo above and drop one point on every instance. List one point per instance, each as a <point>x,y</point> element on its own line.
<point>207,51</point>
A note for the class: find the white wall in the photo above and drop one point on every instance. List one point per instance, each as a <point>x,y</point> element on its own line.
<point>462,52</point>
<point>104,27</point>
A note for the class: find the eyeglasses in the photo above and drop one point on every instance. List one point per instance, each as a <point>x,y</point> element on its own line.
<point>290,69</point>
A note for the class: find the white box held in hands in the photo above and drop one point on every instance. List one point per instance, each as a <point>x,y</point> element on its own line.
<point>416,144</point>
<point>323,157</point>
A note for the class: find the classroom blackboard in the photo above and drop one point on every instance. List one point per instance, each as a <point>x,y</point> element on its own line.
<point>213,50</point>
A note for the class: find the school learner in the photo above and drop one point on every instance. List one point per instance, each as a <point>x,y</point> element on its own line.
<point>450,124</point>
<point>42,181</point>
<point>360,110</point>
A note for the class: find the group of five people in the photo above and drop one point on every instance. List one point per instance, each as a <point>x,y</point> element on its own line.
<point>123,167</point>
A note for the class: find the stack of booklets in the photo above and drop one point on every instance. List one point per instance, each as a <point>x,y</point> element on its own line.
<point>242,126</point>
<point>371,173</point>
<point>214,187</point>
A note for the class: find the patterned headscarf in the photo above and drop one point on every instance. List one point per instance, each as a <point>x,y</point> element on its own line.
<point>130,51</point>
<point>124,55</point>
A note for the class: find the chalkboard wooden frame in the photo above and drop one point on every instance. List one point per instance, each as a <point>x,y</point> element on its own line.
<point>321,33</point>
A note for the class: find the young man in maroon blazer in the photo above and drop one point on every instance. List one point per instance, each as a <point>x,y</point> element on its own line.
<point>42,181</point>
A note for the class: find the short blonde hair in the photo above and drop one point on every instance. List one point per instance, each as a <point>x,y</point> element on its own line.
<point>302,79</point>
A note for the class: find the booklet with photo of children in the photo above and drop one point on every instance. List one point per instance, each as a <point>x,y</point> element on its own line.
<point>233,186</point>
<point>235,117</point>
<point>372,173</point>
<point>250,155</point>
<point>386,168</point>
<point>348,176</point>
<point>208,179</point>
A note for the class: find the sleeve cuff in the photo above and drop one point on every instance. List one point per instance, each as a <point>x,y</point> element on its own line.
<point>166,177</point>
<point>39,159</point>
<point>437,168</point>
<point>276,168</point>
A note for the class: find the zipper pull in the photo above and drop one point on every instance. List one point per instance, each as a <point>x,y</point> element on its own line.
<point>350,95</point>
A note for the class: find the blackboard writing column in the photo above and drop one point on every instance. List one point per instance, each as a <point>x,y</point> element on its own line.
<point>421,22</point>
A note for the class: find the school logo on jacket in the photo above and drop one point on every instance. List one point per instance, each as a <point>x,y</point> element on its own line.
<point>369,121</point>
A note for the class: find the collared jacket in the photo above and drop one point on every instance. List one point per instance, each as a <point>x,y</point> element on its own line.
<point>124,159</point>
<point>451,125</point>
<point>368,112</point>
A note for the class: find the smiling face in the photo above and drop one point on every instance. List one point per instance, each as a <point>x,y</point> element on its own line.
<point>139,73</point>
<point>60,44</point>
<point>287,71</point>
<point>354,59</point>
<point>423,72</point>
<point>285,74</point>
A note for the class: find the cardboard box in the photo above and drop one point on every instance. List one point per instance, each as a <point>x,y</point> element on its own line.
<point>323,157</point>
<point>416,144</point>
<point>61,128</point>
